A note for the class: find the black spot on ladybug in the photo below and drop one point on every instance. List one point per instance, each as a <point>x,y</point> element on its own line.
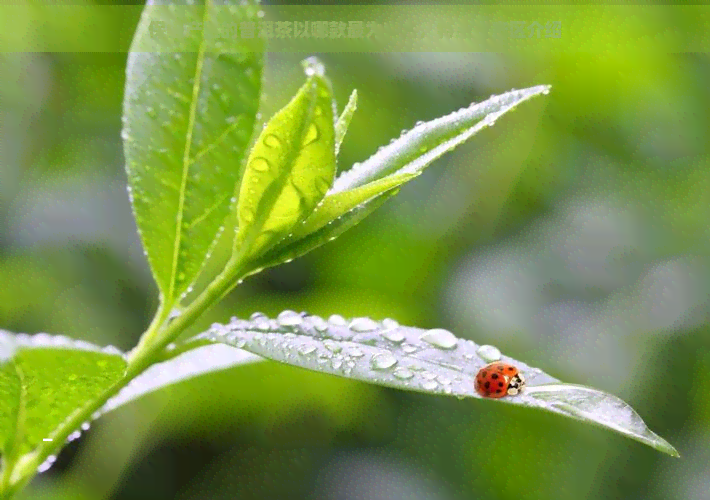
<point>498,391</point>
<point>500,384</point>
<point>511,369</point>
<point>483,373</point>
<point>500,368</point>
<point>487,385</point>
<point>494,376</point>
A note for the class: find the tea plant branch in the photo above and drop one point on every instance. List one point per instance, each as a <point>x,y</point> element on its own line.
<point>149,351</point>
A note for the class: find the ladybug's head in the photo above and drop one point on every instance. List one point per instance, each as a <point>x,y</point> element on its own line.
<point>516,384</point>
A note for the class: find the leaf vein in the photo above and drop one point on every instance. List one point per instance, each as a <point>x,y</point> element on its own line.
<point>186,153</point>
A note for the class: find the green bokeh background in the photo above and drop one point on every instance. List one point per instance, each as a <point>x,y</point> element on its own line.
<point>573,235</point>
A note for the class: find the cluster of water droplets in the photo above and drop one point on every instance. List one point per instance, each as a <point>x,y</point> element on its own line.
<point>382,352</point>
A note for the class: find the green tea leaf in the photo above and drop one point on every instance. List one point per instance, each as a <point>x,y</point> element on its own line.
<point>289,248</point>
<point>426,142</point>
<point>338,204</point>
<point>341,126</point>
<point>429,361</point>
<point>188,118</point>
<point>43,380</point>
<point>290,168</point>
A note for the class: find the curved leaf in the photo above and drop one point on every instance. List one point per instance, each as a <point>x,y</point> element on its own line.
<point>426,142</point>
<point>341,126</point>
<point>430,361</point>
<point>188,118</point>
<point>290,168</point>
<point>338,204</point>
<point>184,365</point>
<point>43,380</point>
<point>289,249</point>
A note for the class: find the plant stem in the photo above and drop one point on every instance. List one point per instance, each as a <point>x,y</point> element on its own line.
<point>150,350</point>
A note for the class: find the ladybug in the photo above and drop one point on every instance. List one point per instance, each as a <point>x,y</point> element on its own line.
<point>497,380</point>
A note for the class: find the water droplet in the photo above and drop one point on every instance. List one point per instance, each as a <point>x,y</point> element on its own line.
<point>395,336</point>
<point>85,426</point>
<point>289,318</point>
<point>313,66</point>
<point>403,373</point>
<point>438,337</point>
<point>355,352</point>
<point>311,135</point>
<point>319,323</point>
<point>430,385</point>
<point>337,320</point>
<point>259,164</point>
<point>47,463</point>
<point>443,380</point>
<point>272,141</point>
<point>256,315</point>
<point>383,361</point>
<point>428,375</point>
<point>263,325</point>
<point>332,346</point>
<point>306,349</point>
<point>409,348</point>
<point>488,353</point>
<point>336,364</point>
<point>363,325</point>
<point>389,323</point>
<point>73,436</point>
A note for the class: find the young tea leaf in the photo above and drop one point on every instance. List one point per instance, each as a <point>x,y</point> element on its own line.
<point>289,248</point>
<point>431,361</point>
<point>43,380</point>
<point>341,126</point>
<point>338,204</point>
<point>290,168</point>
<point>426,142</point>
<point>188,118</point>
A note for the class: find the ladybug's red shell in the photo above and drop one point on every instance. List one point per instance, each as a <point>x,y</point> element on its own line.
<point>497,380</point>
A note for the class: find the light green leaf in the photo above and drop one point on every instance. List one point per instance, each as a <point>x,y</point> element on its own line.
<point>338,204</point>
<point>426,142</point>
<point>188,119</point>
<point>429,361</point>
<point>289,249</point>
<point>341,126</point>
<point>290,168</point>
<point>43,380</point>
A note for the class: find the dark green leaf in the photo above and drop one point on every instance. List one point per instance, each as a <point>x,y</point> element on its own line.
<point>188,118</point>
<point>43,380</point>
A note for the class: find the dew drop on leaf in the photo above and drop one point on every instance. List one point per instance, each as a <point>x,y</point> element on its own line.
<point>403,373</point>
<point>395,336</point>
<point>337,320</point>
<point>289,318</point>
<point>383,361</point>
<point>363,325</point>
<point>259,164</point>
<point>438,337</point>
<point>489,353</point>
<point>272,141</point>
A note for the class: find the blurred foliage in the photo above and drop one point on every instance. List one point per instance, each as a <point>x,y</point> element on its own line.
<point>574,230</point>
